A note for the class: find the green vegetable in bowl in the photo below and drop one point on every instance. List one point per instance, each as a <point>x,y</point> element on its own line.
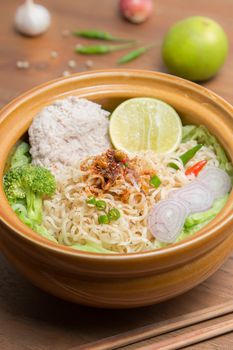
<point>91,247</point>
<point>187,156</point>
<point>204,217</point>
<point>20,208</point>
<point>190,154</point>
<point>155,181</point>
<point>100,204</point>
<point>25,186</point>
<point>12,185</point>
<point>21,155</point>
<point>197,221</point>
<point>91,201</point>
<point>114,214</point>
<point>30,183</point>
<point>42,231</point>
<point>202,135</point>
<point>103,219</point>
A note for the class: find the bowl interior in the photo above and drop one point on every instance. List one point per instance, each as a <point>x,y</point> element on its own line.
<point>194,104</point>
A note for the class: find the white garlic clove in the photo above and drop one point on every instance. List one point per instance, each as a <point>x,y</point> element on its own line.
<point>32,19</point>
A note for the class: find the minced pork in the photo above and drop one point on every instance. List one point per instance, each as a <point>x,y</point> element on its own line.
<point>68,131</point>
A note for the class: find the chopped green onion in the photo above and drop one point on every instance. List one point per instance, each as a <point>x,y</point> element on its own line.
<point>91,200</point>
<point>103,219</point>
<point>155,181</point>
<point>100,205</point>
<point>113,214</point>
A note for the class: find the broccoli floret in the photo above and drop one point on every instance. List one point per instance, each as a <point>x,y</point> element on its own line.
<point>39,179</point>
<point>13,185</point>
<point>38,182</point>
<point>29,183</point>
<point>21,156</point>
<point>25,186</point>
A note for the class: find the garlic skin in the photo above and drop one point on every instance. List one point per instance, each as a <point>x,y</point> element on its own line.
<point>32,19</point>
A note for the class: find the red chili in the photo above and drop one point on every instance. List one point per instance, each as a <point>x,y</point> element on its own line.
<point>196,168</point>
<point>125,162</point>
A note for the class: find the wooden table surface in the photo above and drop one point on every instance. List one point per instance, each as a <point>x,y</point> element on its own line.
<point>29,318</point>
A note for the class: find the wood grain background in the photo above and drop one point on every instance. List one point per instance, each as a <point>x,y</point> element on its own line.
<point>29,318</point>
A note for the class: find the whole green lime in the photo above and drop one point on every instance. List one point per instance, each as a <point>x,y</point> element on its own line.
<point>195,48</point>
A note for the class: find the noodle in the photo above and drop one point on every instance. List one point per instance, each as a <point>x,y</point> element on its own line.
<point>70,219</point>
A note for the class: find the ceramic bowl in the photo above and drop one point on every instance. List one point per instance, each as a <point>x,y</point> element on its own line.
<point>117,281</point>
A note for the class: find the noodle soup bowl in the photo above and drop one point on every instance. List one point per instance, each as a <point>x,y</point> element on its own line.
<point>112,280</point>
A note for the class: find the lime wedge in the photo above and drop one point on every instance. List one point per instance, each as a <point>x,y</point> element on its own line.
<point>142,124</point>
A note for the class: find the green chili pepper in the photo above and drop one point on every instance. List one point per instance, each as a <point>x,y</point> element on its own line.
<point>100,49</point>
<point>100,205</point>
<point>103,219</point>
<point>185,157</point>
<point>155,181</point>
<point>113,214</point>
<point>134,54</point>
<point>91,200</point>
<point>98,34</point>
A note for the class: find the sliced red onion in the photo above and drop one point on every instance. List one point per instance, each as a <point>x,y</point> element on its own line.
<point>196,196</point>
<point>216,180</point>
<point>166,220</point>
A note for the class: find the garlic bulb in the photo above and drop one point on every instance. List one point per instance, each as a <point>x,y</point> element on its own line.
<point>32,19</point>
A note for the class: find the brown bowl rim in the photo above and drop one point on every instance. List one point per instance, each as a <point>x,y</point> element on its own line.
<point>203,236</point>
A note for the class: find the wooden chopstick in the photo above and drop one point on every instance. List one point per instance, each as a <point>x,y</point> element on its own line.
<point>158,328</point>
<point>191,337</point>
